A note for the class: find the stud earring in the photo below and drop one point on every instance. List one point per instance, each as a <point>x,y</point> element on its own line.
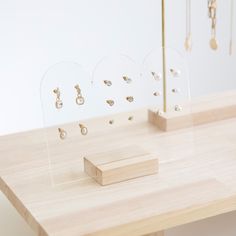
<point>108,83</point>
<point>79,99</point>
<point>130,99</point>
<point>130,118</point>
<point>111,122</point>
<point>127,79</point>
<point>175,73</point>
<point>175,90</point>
<point>156,76</point>
<point>83,129</point>
<point>156,94</point>
<point>178,108</point>
<point>58,103</point>
<point>62,134</point>
<point>110,102</point>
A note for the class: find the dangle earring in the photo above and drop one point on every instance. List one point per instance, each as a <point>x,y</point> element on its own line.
<point>62,134</point>
<point>79,99</point>
<point>58,103</point>
<point>212,7</point>
<point>83,129</point>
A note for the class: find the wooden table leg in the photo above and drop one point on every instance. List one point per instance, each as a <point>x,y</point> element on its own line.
<point>156,234</point>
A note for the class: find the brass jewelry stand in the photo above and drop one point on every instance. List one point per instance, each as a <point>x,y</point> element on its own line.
<point>201,111</point>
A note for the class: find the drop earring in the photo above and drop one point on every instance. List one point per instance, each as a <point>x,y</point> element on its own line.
<point>79,99</point>
<point>62,134</point>
<point>58,103</point>
<point>212,8</point>
<point>83,129</point>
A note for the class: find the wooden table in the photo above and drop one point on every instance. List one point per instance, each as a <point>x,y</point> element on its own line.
<point>197,179</point>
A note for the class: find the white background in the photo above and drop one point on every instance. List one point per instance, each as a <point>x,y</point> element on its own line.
<point>37,34</point>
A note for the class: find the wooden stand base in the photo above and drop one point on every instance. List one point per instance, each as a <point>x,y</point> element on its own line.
<point>201,111</point>
<point>156,234</point>
<point>120,165</point>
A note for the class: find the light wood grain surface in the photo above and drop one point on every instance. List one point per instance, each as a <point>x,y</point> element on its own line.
<point>196,180</point>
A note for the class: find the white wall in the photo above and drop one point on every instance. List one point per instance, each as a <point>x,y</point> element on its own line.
<point>37,34</point>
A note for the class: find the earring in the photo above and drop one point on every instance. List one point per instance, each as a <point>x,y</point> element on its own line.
<point>62,133</point>
<point>156,94</point>
<point>156,76</point>
<point>130,118</point>
<point>79,99</point>
<point>130,99</point>
<point>127,79</point>
<point>111,122</point>
<point>58,103</point>
<point>178,108</point>
<point>175,73</point>
<point>83,129</point>
<point>110,102</point>
<point>212,10</point>
<point>175,90</point>
<point>108,83</point>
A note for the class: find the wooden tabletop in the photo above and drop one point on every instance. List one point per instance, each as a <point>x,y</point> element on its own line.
<point>197,179</point>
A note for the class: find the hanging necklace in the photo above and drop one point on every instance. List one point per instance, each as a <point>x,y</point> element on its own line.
<point>231,27</point>
<point>212,6</point>
<point>188,39</point>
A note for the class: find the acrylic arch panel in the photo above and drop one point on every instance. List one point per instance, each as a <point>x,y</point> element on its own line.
<point>116,97</point>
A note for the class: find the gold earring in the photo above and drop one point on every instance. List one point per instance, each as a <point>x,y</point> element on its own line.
<point>175,90</point>
<point>79,99</point>
<point>110,102</point>
<point>62,133</point>
<point>58,103</point>
<point>156,94</point>
<point>111,122</point>
<point>178,108</point>
<point>175,73</point>
<point>156,76</point>
<point>130,99</point>
<point>83,129</point>
<point>130,118</point>
<point>127,79</point>
<point>108,83</point>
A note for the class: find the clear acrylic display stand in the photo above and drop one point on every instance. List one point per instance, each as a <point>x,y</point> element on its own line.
<point>114,101</point>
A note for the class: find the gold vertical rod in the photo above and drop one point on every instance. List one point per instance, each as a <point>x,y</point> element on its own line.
<point>164,57</point>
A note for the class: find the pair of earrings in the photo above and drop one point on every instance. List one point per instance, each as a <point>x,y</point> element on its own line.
<point>79,98</point>
<point>112,102</point>
<point>63,133</point>
<point>130,118</point>
<point>125,78</point>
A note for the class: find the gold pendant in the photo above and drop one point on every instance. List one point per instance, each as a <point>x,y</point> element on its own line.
<point>213,43</point>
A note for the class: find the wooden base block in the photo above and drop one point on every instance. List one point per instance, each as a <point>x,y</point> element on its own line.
<point>156,234</point>
<point>201,111</point>
<point>120,165</point>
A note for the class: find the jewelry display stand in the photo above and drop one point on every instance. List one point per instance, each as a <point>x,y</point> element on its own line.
<point>82,111</point>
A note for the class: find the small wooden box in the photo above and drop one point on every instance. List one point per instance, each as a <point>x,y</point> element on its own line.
<point>120,165</point>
